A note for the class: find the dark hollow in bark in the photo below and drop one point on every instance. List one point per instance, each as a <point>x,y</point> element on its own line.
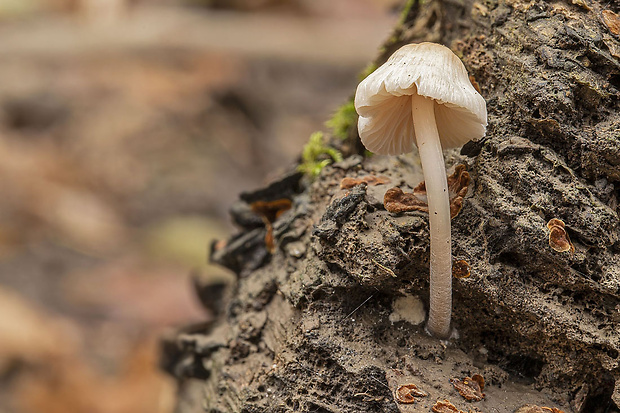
<point>331,321</point>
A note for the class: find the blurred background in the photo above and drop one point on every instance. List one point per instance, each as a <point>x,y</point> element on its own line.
<point>127,128</point>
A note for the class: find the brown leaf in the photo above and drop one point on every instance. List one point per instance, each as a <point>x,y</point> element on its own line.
<point>558,238</point>
<point>348,183</point>
<point>395,200</point>
<point>469,388</point>
<point>407,393</point>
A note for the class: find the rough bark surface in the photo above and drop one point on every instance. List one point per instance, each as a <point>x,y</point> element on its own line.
<point>320,324</point>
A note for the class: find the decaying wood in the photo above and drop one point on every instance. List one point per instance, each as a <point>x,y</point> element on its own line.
<point>312,327</point>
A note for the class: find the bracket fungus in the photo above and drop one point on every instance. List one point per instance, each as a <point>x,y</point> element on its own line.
<point>470,387</point>
<point>558,237</point>
<point>423,96</point>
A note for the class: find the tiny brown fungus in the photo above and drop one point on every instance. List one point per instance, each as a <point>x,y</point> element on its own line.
<point>460,269</point>
<point>371,180</point>
<point>407,393</point>
<point>470,389</point>
<point>269,211</point>
<point>445,407</point>
<point>395,200</point>
<point>558,237</point>
<point>478,379</point>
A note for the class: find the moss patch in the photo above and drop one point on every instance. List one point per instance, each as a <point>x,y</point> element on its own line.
<point>344,117</point>
<point>316,155</point>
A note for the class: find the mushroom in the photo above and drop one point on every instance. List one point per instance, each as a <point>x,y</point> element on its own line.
<point>422,95</point>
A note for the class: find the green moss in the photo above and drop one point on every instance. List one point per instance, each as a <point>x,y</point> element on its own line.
<point>316,155</point>
<point>342,120</point>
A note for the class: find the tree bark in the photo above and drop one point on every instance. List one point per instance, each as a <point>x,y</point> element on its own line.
<point>332,320</point>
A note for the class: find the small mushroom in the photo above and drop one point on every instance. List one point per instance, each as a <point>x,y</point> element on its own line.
<point>423,96</point>
<point>269,211</point>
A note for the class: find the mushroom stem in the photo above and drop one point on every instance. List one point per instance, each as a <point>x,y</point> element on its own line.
<point>429,147</point>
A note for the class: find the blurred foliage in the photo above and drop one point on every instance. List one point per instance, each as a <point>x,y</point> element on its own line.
<point>407,9</point>
<point>17,7</point>
<point>371,67</point>
<point>344,117</point>
<point>183,239</point>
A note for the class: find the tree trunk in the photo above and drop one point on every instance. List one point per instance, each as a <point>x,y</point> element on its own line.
<point>333,319</point>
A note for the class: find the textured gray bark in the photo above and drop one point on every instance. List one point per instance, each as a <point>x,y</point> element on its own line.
<point>311,327</point>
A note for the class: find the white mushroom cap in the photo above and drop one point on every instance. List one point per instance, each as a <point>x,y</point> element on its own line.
<point>431,70</point>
